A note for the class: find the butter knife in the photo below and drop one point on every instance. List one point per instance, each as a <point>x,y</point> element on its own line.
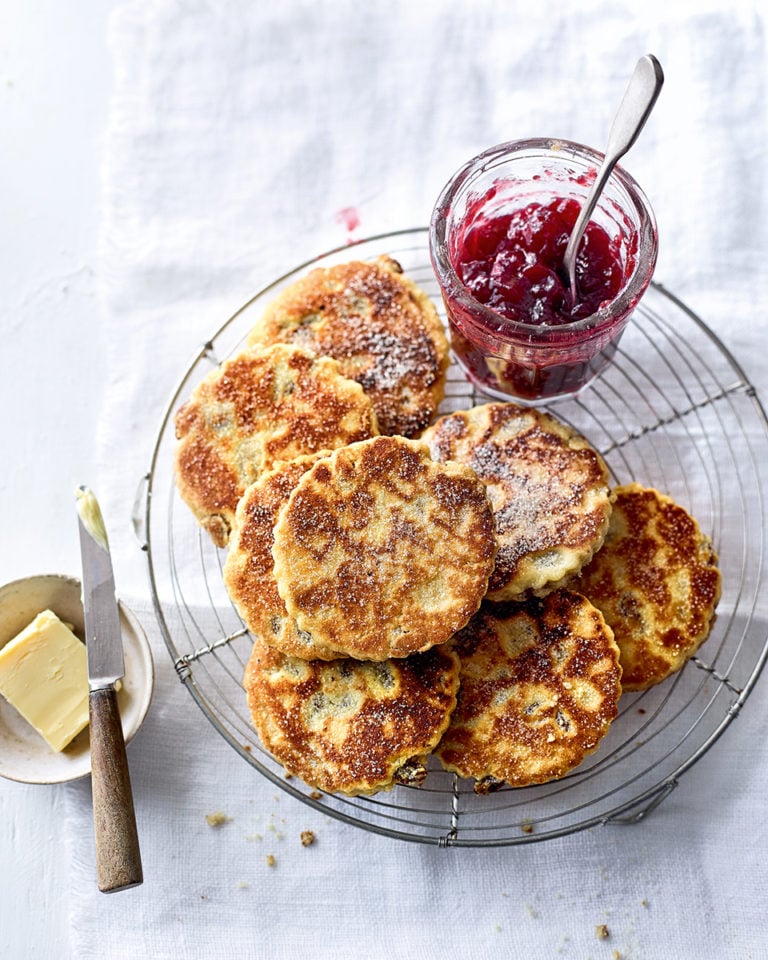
<point>118,858</point>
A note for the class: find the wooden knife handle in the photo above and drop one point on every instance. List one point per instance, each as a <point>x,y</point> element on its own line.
<point>118,859</point>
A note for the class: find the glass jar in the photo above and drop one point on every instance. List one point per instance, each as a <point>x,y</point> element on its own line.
<point>522,357</point>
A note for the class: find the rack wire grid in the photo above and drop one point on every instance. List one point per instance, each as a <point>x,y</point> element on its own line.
<point>673,411</point>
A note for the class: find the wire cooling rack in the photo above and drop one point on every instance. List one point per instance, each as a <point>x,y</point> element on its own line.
<point>673,411</point>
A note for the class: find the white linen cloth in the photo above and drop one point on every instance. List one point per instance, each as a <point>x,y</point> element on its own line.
<point>245,138</point>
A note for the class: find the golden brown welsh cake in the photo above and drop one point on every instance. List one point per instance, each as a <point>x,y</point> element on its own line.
<point>548,487</point>
<point>258,408</point>
<point>349,726</point>
<point>381,327</point>
<point>249,568</point>
<point>381,552</point>
<point>539,687</point>
<point>657,583</point>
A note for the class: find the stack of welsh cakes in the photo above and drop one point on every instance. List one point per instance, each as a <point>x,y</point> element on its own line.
<point>469,586</point>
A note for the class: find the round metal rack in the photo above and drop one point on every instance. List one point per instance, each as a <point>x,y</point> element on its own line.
<point>673,411</point>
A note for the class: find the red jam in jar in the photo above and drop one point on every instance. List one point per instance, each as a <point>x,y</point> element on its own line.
<point>497,239</point>
<point>514,264</point>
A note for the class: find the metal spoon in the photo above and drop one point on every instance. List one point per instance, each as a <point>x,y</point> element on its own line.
<point>639,98</point>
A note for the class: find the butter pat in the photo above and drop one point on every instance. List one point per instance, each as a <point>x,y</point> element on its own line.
<point>44,675</point>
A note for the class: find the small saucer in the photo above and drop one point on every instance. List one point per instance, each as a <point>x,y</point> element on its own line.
<point>24,754</point>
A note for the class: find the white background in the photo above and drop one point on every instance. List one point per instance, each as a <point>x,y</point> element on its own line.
<point>55,81</point>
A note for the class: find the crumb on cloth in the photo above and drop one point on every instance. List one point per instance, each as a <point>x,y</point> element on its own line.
<point>217,819</point>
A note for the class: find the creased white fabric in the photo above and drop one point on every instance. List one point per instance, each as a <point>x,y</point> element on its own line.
<point>245,138</point>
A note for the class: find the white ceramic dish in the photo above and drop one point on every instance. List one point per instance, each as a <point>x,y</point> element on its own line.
<point>24,755</point>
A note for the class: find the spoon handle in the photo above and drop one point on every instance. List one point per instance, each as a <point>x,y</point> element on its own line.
<point>635,108</point>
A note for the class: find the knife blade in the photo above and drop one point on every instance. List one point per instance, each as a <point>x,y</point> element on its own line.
<point>118,858</point>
